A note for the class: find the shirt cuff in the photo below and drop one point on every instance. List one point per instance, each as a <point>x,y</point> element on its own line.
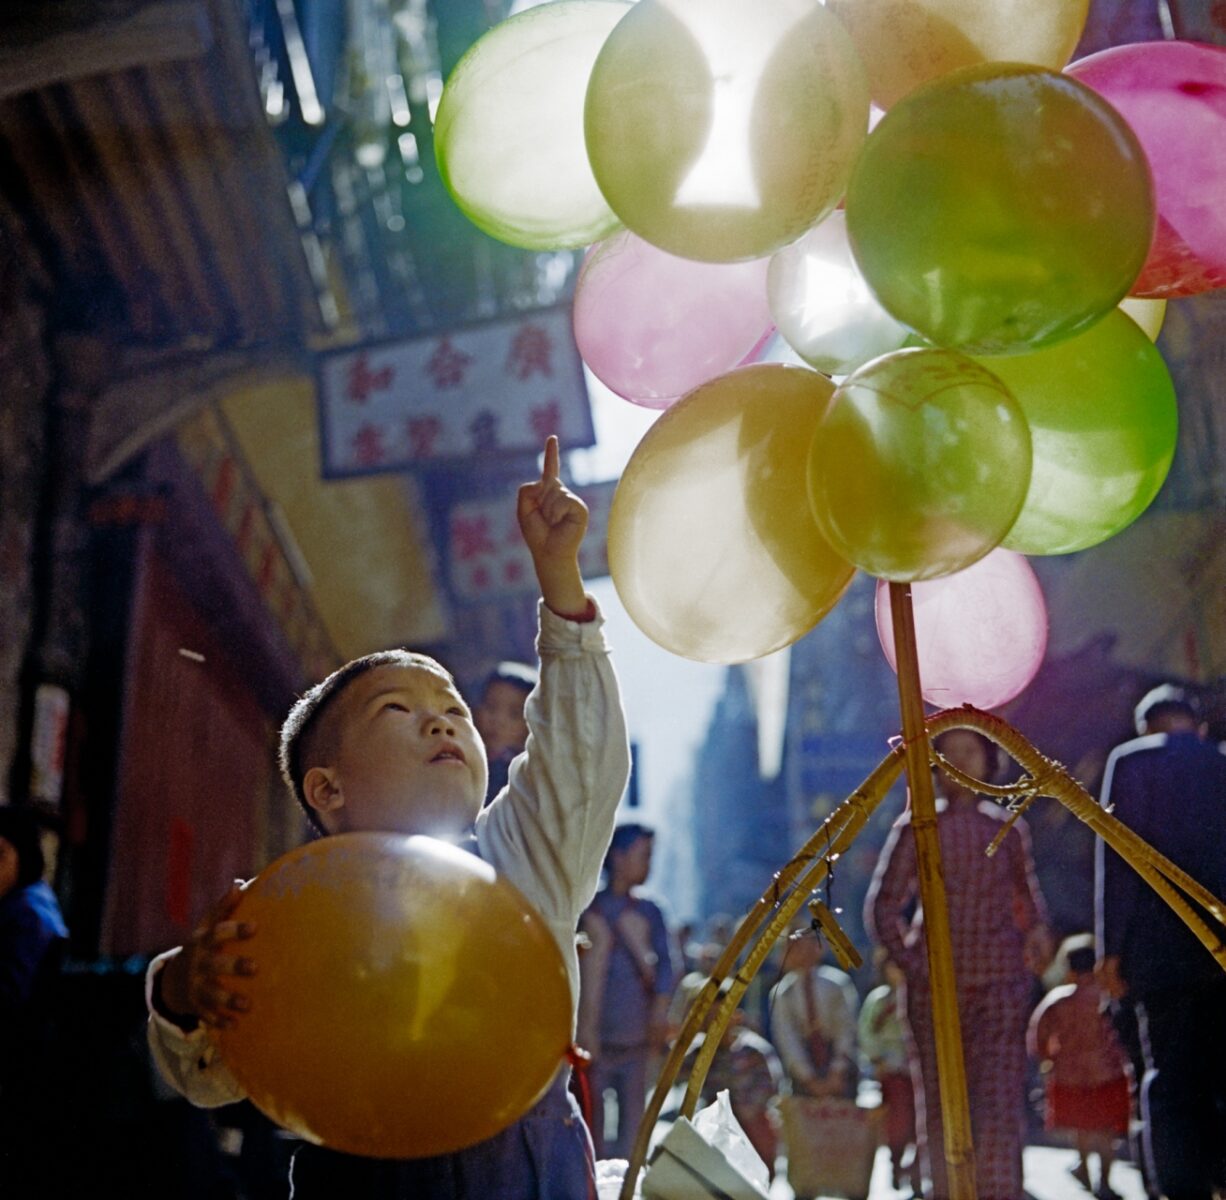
<point>180,1025</point>
<point>561,634</point>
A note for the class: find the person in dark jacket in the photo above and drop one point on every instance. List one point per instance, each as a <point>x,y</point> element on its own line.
<point>1169,786</point>
<point>32,940</point>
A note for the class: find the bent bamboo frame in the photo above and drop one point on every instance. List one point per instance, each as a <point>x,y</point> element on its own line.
<point>792,886</point>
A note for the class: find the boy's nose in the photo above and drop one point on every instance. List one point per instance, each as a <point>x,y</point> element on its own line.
<point>438,723</point>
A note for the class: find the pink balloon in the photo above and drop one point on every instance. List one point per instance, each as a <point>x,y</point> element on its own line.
<point>980,634</point>
<point>1173,95</point>
<point>652,326</point>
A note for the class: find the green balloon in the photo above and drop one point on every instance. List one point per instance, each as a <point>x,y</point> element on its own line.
<point>508,136</point>
<point>1000,208</point>
<point>919,466</point>
<point>1103,422</point>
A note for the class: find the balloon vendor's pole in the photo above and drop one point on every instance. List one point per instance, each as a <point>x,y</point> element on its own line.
<point>951,1069</point>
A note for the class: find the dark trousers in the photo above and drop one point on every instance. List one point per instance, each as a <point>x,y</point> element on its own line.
<point>1183,1094</point>
<point>545,1155</point>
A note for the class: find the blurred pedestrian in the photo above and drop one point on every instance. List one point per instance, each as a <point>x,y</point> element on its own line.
<point>499,718</point>
<point>1085,1066</point>
<point>627,981</point>
<point>883,1044</point>
<point>748,1069</point>
<point>33,937</point>
<point>1169,786</point>
<point>813,1021</point>
<point>998,931</point>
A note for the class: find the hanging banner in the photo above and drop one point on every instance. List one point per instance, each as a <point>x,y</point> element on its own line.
<point>487,555</point>
<point>499,387</point>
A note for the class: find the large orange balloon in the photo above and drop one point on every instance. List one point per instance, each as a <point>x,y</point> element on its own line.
<point>408,1001</point>
<point>712,546</point>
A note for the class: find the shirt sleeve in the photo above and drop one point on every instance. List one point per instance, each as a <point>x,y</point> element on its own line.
<point>24,940</point>
<point>189,1062</point>
<point>894,885</point>
<point>549,829</point>
<point>661,943</point>
<point>1030,909</point>
<point>1115,883</point>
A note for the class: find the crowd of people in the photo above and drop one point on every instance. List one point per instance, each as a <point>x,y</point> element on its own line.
<point>1091,1041</point>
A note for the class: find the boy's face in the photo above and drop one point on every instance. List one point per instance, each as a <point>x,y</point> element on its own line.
<point>406,757</point>
<point>500,718</point>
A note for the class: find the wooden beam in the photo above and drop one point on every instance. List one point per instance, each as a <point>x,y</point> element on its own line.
<point>79,43</point>
<point>135,411</point>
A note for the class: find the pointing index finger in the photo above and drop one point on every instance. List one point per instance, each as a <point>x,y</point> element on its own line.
<point>551,469</point>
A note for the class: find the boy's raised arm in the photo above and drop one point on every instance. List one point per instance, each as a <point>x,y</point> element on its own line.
<point>553,521</point>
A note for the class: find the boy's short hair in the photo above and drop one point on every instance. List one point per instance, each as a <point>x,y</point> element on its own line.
<point>517,674</point>
<point>300,730</point>
<point>1166,700</point>
<point>20,827</point>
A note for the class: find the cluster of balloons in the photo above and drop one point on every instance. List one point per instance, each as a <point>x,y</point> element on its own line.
<point>408,1002</point>
<point>967,240</point>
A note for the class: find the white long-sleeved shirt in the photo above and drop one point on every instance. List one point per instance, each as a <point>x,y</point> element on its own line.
<point>547,831</point>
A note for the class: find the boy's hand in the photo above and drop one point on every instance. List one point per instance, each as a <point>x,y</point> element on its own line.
<point>197,982</point>
<point>553,521</point>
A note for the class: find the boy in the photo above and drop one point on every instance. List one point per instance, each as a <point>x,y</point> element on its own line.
<point>387,744</point>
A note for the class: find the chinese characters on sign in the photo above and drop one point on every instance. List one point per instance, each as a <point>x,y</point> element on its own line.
<point>482,389</point>
<point>487,554</point>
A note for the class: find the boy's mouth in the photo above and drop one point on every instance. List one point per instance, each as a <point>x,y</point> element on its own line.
<point>449,753</point>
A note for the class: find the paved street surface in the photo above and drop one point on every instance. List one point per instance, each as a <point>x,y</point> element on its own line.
<point>1046,1178</point>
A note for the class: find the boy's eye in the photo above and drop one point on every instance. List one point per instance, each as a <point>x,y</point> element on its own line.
<point>398,707</point>
<point>458,711</point>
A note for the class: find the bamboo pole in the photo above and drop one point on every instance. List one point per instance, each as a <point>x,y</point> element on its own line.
<point>951,1068</point>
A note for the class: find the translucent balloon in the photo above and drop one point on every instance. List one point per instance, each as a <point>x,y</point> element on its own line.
<point>407,1001</point>
<point>652,326</point>
<point>905,43</point>
<point>711,545</point>
<point>1173,95</point>
<point>980,634</point>
<point>508,135</point>
<point>822,305</point>
<point>920,465</point>
<point>1000,208</point>
<point>1103,425</point>
<point>722,129</point>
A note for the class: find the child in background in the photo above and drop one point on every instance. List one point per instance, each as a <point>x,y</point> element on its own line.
<point>883,1042</point>
<point>499,718</point>
<point>1087,1072</point>
<point>748,1069</point>
<point>387,744</point>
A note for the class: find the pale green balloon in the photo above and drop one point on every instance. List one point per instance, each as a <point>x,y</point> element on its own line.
<point>919,466</point>
<point>508,135</point>
<point>1103,422</point>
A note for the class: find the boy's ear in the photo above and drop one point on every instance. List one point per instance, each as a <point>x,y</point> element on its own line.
<point>322,789</point>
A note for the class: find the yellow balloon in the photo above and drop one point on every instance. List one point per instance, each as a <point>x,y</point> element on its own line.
<point>712,546</point>
<point>905,43</point>
<point>721,130</point>
<point>407,1000</point>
